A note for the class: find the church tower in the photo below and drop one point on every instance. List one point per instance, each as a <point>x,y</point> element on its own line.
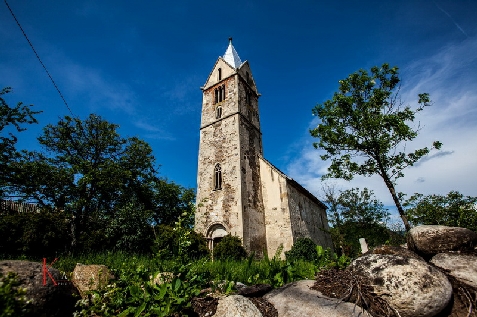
<point>238,191</point>
<point>229,192</point>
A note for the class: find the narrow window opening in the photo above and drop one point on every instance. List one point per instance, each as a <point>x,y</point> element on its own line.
<point>218,177</point>
<point>216,96</point>
<point>219,74</point>
<point>218,112</point>
<point>248,77</point>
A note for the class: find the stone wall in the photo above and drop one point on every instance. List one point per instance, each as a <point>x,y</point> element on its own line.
<point>308,215</point>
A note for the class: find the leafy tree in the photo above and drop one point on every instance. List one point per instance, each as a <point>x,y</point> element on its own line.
<point>13,119</point>
<point>356,214</point>
<point>363,128</point>
<point>453,209</point>
<point>34,234</point>
<point>89,171</point>
<point>170,201</point>
<point>131,229</point>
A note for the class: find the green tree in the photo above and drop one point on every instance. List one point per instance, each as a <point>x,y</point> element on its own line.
<point>11,119</point>
<point>363,128</point>
<point>453,209</point>
<point>89,171</point>
<point>170,201</point>
<point>355,214</point>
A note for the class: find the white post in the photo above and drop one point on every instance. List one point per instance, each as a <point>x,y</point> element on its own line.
<point>364,245</point>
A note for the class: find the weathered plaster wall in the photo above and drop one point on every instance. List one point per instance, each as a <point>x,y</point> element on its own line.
<point>277,214</point>
<point>308,217</point>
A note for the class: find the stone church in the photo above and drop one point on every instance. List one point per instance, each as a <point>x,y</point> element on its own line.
<point>238,191</point>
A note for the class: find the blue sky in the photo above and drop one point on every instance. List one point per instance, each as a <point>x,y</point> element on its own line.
<point>141,64</point>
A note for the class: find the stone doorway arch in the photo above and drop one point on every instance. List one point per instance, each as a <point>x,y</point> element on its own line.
<point>215,234</point>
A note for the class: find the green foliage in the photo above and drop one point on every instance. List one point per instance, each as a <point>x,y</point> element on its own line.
<point>36,234</point>
<point>454,210</point>
<point>13,301</point>
<point>135,293</point>
<point>170,243</point>
<point>302,249</point>
<point>229,248</point>
<point>89,171</point>
<point>170,201</point>
<point>356,214</point>
<point>130,230</point>
<point>11,119</point>
<point>106,184</point>
<point>363,128</point>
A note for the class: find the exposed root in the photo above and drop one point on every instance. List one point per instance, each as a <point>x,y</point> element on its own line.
<point>348,287</point>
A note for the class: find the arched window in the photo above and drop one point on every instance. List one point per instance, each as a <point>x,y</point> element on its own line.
<point>218,112</point>
<point>219,74</point>
<point>218,177</point>
<point>219,94</point>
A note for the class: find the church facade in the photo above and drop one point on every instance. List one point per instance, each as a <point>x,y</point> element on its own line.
<point>238,191</point>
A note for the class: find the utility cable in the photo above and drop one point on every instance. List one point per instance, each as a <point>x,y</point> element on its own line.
<point>39,59</point>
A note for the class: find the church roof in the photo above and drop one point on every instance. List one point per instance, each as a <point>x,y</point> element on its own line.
<point>231,56</point>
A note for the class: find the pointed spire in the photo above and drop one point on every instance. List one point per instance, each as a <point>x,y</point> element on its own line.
<point>231,56</point>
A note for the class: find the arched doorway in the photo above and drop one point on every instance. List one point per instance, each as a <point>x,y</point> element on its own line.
<point>215,234</point>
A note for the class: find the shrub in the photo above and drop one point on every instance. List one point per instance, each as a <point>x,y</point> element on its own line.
<point>230,248</point>
<point>302,249</point>
<point>12,298</point>
<point>179,242</point>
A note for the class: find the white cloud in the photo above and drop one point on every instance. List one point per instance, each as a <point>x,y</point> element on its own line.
<point>449,77</point>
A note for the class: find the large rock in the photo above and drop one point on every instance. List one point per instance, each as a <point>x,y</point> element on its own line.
<point>46,300</point>
<point>430,240</point>
<point>394,250</point>
<point>298,300</point>
<point>411,286</point>
<point>236,306</point>
<point>90,277</point>
<point>462,267</point>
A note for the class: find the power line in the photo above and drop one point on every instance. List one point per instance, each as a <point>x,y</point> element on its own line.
<point>39,59</point>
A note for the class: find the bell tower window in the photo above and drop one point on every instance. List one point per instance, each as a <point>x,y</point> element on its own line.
<point>218,177</point>
<point>219,94</point>
<point>219,74</point>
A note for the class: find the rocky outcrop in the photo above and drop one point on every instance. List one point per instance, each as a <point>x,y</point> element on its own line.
<point>90,277</point>
<point>298,300</point>
<point>236,306</point>
<point>410,286</point>
<point>462,267</point>
<point>430,240</point>
<point>45,300</point>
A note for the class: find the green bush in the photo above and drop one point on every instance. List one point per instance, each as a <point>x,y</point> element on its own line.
<point>179,242</point>
<point>230,248</point>
<point>34,234</point>
<point>12,298</point>
<point>303,249</point>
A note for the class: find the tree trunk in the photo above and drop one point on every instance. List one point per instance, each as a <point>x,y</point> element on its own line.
<point>390,186</point>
